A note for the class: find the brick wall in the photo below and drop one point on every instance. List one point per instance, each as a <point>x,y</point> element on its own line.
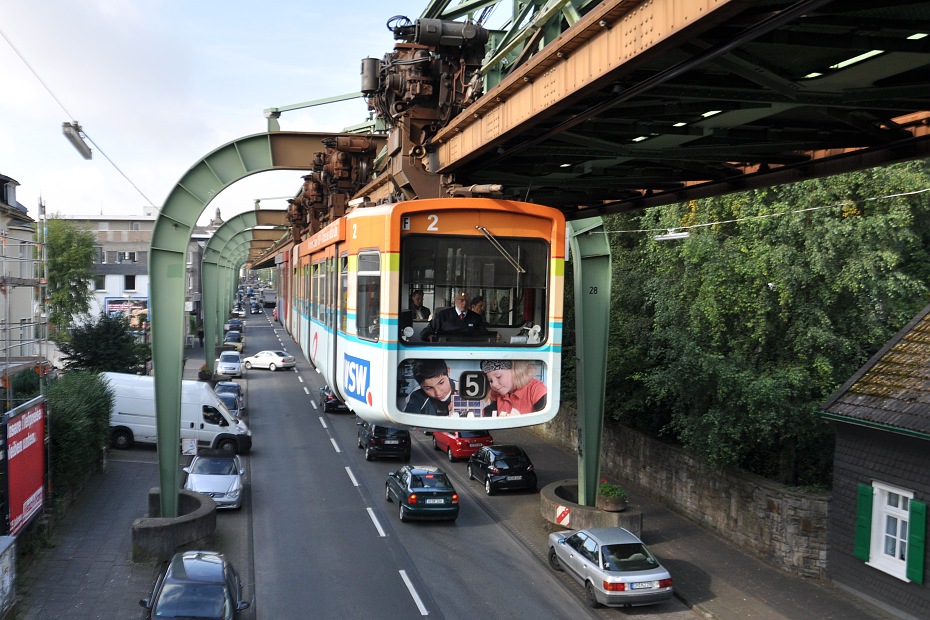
<point>785,528</point>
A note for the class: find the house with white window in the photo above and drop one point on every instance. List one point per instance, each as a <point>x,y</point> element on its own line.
<point>881,476</point>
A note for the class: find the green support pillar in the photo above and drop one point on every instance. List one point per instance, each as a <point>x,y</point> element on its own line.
<point>590,256</point>
<point>185,204</point>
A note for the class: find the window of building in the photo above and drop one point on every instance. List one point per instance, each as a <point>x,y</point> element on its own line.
<point>100,282</point>
<point>135,226</point>
<point>100,254</point>
<point>890,530</point>
<point>129,283</point>
<point>126,257</point>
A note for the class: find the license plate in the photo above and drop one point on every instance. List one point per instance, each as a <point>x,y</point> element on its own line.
<point>435,501</point>
<point>475,445</point>
<point>643,585</point>
<point>391,442</point>
<point>514,477</point>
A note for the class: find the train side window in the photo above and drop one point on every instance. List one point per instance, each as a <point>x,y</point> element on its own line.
<point>343,291</point>
<point>368,299</point>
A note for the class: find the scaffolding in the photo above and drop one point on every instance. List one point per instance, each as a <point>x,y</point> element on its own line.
<point>23,316</point>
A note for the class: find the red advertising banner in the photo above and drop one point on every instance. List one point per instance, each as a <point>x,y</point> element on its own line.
<point>26,465</point>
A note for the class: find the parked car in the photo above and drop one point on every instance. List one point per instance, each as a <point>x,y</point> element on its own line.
<point>612,564</point>
<point>330,402</point>
<point>217,474</point>
<point>236,325</point>
<point>234,339</point>
<point>231,387</point>
<point>379,441</point>
<point>197,584</point>
<point>230,364</point>
<point>272,360</point>
<point>502,467</point>
<point>232,402</point>
<point>461,444</point>
<point>422,493</point>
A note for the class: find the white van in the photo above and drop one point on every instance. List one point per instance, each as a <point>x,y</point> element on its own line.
<point>203,415</point>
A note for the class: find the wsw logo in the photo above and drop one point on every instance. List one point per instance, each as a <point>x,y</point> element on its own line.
<point>357,379</point>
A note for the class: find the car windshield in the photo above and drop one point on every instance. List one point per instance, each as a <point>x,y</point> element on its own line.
<point>472,434</point>
<point>229,358</point>
<point>231,337</point>
<point>229,399</point>
<point>628,557</point>
<point>431,481</point>
<point>179,600</point>
<point>213,467</point>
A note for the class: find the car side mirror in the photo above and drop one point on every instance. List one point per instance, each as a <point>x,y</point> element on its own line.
<point>186,470</point>
<point>147,603</point>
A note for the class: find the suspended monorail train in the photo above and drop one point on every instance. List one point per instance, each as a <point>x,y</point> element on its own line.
<point>346,295</point>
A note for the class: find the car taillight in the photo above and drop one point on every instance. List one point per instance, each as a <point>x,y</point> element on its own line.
<point>494,470</point>
<point>665,583</point>
<point>412,498</point>
<point>455,500</point>
<point>611,586</point>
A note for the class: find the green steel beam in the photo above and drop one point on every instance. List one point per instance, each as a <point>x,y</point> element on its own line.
<point>590,256</point>
<point>183,207</point>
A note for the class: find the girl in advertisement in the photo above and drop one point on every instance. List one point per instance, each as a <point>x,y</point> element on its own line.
<point>514,388</point>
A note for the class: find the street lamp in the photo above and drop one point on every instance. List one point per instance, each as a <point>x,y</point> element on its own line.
<point>73,133</point>
<point>673,233</point>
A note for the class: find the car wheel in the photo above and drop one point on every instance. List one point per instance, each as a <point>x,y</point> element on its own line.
<point>400,512</point>
<point>248,365</point>
<point>121,439</point>
<point>272,367</point>
<point>487,486</point>
<point>368,455</point>
<point>471,476</point>
<point>387,493</point>
<point>360,446</point>
<point>228,446</point>
<point>554,560</point>
<point>450,455</point>
<point>435,445</point>
<point>589,595</point>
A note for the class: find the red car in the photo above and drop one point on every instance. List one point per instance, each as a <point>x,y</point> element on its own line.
<point>461,444</point>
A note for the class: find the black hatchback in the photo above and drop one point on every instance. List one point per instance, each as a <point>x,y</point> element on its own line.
<point>502,467</point>
<point>379,441</point>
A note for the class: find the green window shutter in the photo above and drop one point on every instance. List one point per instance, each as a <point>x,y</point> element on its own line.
<point>916,538</point>
<point>863,522</point>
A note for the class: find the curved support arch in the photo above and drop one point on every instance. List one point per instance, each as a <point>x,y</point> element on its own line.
<point>222,259</point>
<point>185,204</point>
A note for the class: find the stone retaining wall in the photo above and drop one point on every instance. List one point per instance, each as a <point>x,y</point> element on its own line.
<point>785,528</point>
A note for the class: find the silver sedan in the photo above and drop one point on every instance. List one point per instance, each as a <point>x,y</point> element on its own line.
<point>218,476</point>
<point>612,564</point>
<point>272,360</point>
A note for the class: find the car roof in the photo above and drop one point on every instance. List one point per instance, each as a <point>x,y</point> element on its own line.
<point>228,384</point>
<point>229,354</point>
<point>613,535</point>
<point>199,566</point>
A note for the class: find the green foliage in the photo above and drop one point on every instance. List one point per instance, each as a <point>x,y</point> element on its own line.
<point>70,256</point>
<point>79,406</point>
<point>104,345</point>
<point>730,340</point>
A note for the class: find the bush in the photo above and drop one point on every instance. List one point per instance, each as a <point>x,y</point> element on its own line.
<point>79,406</point>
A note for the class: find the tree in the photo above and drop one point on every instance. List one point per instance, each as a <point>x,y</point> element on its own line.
<point>70,256</point>
<point>105,345</point>
<point>730,340</point>
<point>79,418</point>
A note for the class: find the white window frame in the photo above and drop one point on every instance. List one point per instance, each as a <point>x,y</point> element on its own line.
<point>884,514</point>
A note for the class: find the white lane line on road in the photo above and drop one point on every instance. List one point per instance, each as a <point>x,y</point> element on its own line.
<point>323,422</point>
<point>306,390</point>
<point>374,519</point>
<point>299,378</point>
<point>335,446</point>
<point>313,404</point>
<point>413,593</point>
<point>352,477</point>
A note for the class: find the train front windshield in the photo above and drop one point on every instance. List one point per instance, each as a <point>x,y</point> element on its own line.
<point>473,290</point>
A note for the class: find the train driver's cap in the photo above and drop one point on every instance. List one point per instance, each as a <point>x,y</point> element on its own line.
<point>463,296</point>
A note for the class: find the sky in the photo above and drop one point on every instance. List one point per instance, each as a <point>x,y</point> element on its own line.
<point>159,84</point>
